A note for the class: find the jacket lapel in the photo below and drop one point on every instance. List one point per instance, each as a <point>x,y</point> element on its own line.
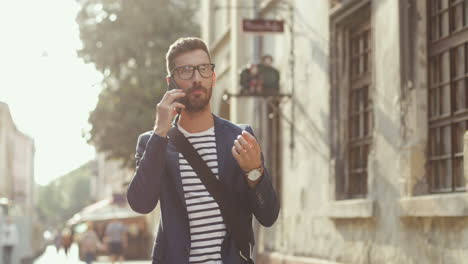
<point>224,144</point>
<point>173,158</point>
<point>221,146</point>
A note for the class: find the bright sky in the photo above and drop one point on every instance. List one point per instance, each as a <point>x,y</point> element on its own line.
<point>49,89</point>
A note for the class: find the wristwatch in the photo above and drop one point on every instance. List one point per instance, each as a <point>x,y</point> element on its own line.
<point>254,174</point>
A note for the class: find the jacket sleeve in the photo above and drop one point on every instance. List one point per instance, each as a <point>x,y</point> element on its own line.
<point>263,199</point>
<point>144,190</point>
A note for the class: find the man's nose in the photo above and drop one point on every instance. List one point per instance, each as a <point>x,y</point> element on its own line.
<point>196,76</point>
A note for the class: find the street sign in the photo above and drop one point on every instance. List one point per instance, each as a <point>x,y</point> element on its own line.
<point>262,26</point>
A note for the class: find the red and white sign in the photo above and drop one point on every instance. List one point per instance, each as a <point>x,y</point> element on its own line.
<point>262,25</point>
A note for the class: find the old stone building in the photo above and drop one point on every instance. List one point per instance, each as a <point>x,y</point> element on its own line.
<point>110,178</point>
<point>16,164</point>
<point>366,145</point>
<point>17,181</point>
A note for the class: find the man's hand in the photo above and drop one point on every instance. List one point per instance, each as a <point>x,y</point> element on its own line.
<point>166,110</point>
<point>247,152</point>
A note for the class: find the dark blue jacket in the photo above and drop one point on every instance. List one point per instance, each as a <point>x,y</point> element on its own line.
<point>157,178</point>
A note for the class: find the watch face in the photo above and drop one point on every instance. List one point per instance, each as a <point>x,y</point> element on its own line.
<point>254,175</point>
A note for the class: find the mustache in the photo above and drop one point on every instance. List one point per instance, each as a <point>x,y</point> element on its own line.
<point>195,88</point>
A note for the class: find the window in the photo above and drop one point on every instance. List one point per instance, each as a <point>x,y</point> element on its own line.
<point>352,98</point>
<point>447,95</point>
<point>360,109</point>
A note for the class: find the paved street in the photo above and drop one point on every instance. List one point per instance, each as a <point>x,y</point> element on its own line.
<point>51,256</point>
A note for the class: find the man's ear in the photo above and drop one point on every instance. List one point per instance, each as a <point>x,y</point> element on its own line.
<point>213,79</point>
<point>168,79</point>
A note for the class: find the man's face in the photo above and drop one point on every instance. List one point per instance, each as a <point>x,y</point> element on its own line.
<point>267,61</point>
<point>198,89</point>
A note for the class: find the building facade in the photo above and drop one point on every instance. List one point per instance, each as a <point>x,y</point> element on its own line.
<point>17,164</point>
<point>368,151</point>
<point>17,182</point>
<point>110,178</point>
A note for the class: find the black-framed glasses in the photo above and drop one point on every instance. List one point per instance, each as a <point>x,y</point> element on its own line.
<point>186,72</point>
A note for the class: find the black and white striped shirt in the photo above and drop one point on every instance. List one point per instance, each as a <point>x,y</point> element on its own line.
<point>207,229</point>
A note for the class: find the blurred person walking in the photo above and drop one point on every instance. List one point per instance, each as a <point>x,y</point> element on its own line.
<point>67,239</point>
<point>116,240</point>
<point>58,241</point>
<point>90,244</point>
<point>8,240</point>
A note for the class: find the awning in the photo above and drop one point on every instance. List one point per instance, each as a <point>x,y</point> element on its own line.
<point>103,210</point>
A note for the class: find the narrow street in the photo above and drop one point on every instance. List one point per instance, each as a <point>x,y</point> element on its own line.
<point>51,256</point>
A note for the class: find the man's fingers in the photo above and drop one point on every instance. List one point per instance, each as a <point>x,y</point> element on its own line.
<point>174,91</point>
<point>235,154</point>
<point>238,147</point>
<point>173,94</point>
<point>178,94</point>
<point>166,94</point>
<point>246,145</point>
<point>248,136</point>
<point>251,139</point>
<point>177,105</point>
<point>172,97</point>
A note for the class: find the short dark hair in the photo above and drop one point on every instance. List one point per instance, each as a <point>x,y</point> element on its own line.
<point>183,45</point>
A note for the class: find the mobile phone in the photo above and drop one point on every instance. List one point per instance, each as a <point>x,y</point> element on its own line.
<point>173,85</point>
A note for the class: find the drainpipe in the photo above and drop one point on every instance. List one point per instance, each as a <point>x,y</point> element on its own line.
<point>292,65</point>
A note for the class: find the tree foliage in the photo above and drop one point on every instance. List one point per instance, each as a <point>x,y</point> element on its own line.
<point>127,41</point>
<point>62,198</point>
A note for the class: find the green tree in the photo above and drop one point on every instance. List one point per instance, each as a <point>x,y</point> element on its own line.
<point>127,42</point>
<point>62,198</point>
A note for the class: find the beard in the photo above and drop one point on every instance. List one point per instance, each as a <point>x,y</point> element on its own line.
<point>196,102</point>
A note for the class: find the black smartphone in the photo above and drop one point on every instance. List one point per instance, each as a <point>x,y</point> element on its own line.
<point>173,85</point>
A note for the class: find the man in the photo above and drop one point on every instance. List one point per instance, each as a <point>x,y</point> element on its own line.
<point>89,244</point>
<point>9,240</point>
<point>58,241</point>
<point>269,75</point>
<point>116,240</point>
<point>67,239</point>
<point>192,228</point>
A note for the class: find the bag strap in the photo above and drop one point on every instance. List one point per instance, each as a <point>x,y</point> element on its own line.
<point>229,208</point>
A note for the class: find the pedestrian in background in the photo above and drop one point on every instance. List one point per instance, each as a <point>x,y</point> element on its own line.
<point>58,241</point>
<point>90,244</point>
<point>67,239</point>
<point>116,240</point>
<point>8,240</point>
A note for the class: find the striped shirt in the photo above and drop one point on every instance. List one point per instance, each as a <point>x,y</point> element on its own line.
<point>207,229</point>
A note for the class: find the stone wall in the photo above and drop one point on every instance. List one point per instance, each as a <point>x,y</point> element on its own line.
<point>398,221</point>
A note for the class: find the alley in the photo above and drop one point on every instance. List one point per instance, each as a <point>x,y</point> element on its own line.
<point>51,256</point>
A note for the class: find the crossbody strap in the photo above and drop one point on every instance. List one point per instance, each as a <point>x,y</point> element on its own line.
<point>230,208</point>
